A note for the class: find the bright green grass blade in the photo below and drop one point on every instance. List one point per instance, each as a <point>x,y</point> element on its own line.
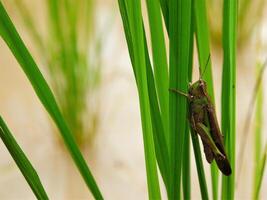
<point>22,161</point>
<point>262,165</point>
<point>202,37</point>
<point>16,45</point>
<point>161,147</point>
<point>133,11</point>
<point>158,131</point>
<point>229,92</point>
<point>179,35</point>
<point>159,60</point>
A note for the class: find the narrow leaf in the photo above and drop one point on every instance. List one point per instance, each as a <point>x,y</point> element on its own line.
<point>229,92</point>
<point>133,12</point>
<point>179,35</point>
<point>203,46</point>
<point>18,48</point>
<point>22,162</point>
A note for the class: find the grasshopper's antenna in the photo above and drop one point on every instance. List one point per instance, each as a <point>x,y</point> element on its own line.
<point>201,74</point>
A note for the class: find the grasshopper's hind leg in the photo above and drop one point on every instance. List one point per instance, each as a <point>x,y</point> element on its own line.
<point>203,131</point>
<point>207,150</point>
<point>221,160</point>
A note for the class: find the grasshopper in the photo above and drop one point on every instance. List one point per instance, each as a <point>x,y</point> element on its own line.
<point>203,121</point>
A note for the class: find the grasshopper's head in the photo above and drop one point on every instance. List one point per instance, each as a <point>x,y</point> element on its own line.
<point>198,88</point>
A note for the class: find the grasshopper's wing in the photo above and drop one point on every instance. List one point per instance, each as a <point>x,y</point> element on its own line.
<point>214,127</point>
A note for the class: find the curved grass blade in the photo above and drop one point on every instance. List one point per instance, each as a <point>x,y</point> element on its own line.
<point>160,65</point>
<point>22,162</point>
<point>229,92</point>
<point>161,148</point>
<point>18,48</point>
<point>131,10</point>
<point>203,46</point>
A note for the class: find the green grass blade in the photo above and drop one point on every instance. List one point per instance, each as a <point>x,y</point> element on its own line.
<point>164,4</point>
<point>202,37</point>
<point>229,92</point>
<point>161,148</point>
<point>133,11</point>
<point>258,123</point>
<point>262,165</point>
<point>22,162</point>
<point>16,45</point>
<point>186,175</point>
<point>179,35</point>
<point>199,164</point>
<point>159,59</point>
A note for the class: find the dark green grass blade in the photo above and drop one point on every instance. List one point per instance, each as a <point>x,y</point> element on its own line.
<point>194,137</point>
<point>228,91</point>
<point>164,4</point>
<point>179,35</point>
<point>16,45</point>
<point>202,37</point>
<point>22,161</point>
<point>158,131</point>
<point>133,12</point>
<point>199,164</point>
<point>186,175</point>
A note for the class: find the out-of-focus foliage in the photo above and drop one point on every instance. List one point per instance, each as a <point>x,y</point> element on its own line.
<point>70,49</point>
<point>249,15</point>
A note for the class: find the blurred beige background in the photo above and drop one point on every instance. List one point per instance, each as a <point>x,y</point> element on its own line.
<point>116,158</point>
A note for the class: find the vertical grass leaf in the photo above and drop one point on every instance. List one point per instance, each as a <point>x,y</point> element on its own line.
<point>133,11</point>
<point>161,148</point>
<point>203,46</point>
<point>179,36</point>
<point>159,59</point>
<point>229,92</point>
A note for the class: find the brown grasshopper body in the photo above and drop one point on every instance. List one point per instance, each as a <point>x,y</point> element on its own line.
<point>204,122</point>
